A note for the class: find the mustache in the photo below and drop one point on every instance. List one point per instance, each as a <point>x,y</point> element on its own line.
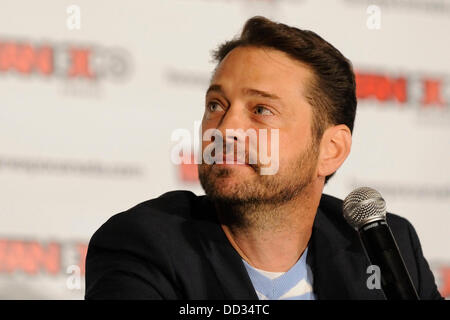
<point>231,151</point>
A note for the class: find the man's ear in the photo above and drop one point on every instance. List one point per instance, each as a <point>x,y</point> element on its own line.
<point>334,148</point>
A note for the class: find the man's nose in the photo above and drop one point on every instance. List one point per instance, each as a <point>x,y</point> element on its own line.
<point>234,121</point>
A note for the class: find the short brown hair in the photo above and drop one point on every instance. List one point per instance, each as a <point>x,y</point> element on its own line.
<point>331,92</point>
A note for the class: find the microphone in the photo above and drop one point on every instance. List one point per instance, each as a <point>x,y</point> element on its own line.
<point>365,210</point>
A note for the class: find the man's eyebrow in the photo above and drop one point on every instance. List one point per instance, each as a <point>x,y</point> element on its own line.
<point>247,91</point>
<point>260,93</point>
<point>214,87</point>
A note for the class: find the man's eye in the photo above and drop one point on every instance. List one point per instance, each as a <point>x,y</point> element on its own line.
<point>214,106</point>
<point>260,110</point>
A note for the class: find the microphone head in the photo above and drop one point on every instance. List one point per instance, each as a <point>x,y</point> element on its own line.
<point>364,205</point>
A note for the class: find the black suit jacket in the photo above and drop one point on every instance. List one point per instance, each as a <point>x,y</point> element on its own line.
<point>173,247</point>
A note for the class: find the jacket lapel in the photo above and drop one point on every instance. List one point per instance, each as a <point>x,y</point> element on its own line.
<point>338,262</point>
<point>226,263</point>
<point>222,257</point>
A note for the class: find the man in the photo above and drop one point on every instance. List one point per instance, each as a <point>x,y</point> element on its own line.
<point>254,235</point>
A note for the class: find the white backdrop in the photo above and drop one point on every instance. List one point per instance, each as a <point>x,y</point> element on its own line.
<point>86,116</point>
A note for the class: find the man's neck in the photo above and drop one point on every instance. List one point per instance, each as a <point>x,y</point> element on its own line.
<point>272,238</point>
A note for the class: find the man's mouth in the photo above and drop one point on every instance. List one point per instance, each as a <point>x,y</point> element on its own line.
<point>234,162</point>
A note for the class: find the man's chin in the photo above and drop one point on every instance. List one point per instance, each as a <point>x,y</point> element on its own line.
<point>226,195</point>
<point>233,180</point>
<point>227,185</point>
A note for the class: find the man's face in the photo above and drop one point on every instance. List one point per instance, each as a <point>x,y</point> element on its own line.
<point>260,88</point>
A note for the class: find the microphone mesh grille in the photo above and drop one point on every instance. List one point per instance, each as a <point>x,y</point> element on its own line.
<point>362,206</point>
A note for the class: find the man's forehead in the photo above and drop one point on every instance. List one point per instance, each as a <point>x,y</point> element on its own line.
<point>265,67</point>
<point>268,58</point>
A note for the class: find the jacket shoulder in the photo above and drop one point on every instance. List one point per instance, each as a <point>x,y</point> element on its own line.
<point>154,218</point>
<point>405,237</point>
<point>169,208</point>
<point>177,203</point>
<point>130,255</point>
